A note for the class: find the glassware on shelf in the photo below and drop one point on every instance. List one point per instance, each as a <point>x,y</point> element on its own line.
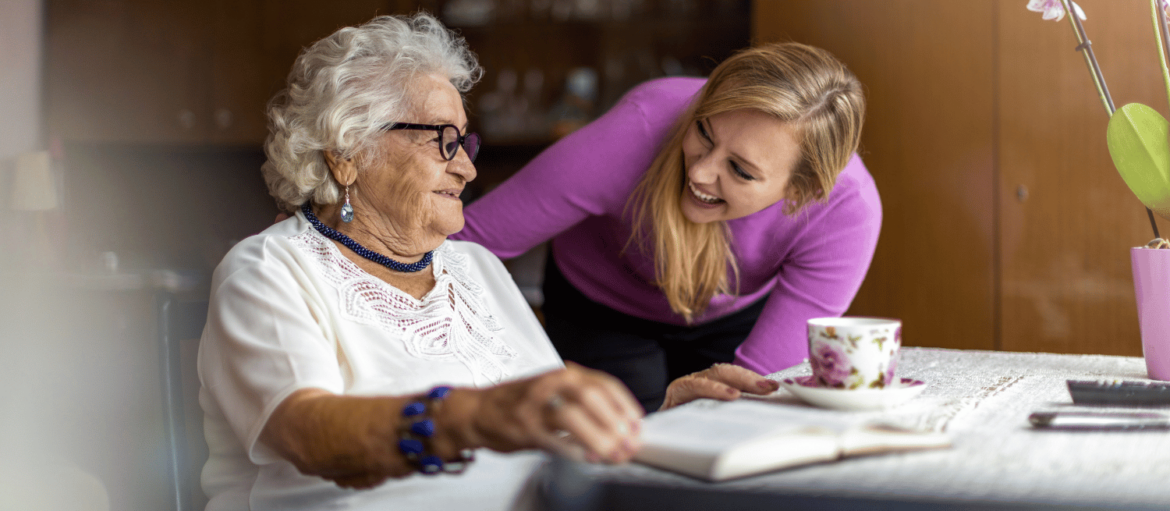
<point>586,10</point>
<point>469,13</point>
<point>671,66</point>
<point>535,118</point>
<point>575,108</point>
<point>495,107</point>
<point>561,10</point>
<point>539,9</point>
<point>509,115</point>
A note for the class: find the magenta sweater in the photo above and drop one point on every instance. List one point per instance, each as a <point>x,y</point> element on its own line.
<point>575,193</point>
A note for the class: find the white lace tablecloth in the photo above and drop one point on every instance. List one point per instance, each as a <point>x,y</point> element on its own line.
<point>983,400</point>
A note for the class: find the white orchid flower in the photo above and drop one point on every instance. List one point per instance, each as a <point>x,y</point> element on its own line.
<point>1053,9</point>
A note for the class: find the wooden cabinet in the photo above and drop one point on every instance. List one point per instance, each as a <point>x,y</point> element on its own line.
<point>201,72</point>
<point>1067,218</point>
<point>144,71</point>
<point>1006,225</point>
<point>240,78</point>
<point>177,72</point>
<point>127,70</point>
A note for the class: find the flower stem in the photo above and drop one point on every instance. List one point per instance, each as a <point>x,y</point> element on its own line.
<point>1161,36</point>
<point>1086,48</point>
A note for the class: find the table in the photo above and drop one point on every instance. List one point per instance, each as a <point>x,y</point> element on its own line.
<point>981,398</point>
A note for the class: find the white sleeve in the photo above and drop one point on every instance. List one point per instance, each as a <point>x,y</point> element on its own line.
<point>264,340</point>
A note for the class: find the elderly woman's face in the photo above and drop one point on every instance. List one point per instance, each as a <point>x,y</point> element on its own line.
<point>412,185</point>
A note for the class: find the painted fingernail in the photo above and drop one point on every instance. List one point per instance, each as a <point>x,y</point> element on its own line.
<point>592,457</point>
<point>635,426</point>
<point>731,392</point>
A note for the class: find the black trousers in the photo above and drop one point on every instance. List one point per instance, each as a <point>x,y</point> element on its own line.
<point>645,355</point>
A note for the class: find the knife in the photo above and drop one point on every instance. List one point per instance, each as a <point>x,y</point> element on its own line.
<point>1099,421</point>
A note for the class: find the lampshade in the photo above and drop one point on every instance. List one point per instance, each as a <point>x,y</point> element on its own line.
<point>33,188</point>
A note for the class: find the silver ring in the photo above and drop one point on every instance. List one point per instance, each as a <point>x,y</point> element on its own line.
<point>555,403</point>
<point>623,429</point>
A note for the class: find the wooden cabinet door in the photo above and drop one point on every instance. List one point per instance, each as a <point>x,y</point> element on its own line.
<point>242,77</point>
<point>929,142</point>
<point>1067,219</point>
<point>180,71</point>
<point>127,70</point>
<point>253,49</point>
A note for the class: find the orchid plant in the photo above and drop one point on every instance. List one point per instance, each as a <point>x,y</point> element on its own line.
<point>1137,134</point>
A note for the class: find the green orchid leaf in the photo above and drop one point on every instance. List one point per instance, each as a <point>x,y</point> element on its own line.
<point>1141,153</point>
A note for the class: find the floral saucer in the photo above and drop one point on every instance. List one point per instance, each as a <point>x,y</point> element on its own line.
<point>805,388</point>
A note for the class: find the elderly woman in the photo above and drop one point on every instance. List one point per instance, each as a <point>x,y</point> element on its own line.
<point>352,343</point>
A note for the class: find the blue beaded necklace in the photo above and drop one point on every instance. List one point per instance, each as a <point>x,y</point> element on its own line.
<point>363,251</point>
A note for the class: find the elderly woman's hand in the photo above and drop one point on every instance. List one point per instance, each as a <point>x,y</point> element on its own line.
<point>576,412</point>
<point>724,382</point>
<point>347,440</point>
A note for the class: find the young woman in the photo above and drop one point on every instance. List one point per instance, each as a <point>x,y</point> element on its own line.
<point>698,221</point>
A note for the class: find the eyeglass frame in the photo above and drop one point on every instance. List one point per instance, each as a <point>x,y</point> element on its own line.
<point>438,128</point>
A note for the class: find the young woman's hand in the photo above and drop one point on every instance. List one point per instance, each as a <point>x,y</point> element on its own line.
<point>724,382</point>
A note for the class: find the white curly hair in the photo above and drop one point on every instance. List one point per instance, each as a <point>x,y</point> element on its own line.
<point>343,89</point>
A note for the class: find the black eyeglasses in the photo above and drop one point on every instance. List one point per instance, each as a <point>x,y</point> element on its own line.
<point>449,138</point>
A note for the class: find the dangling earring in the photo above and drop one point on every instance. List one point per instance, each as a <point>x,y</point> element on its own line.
<point>346,209</point>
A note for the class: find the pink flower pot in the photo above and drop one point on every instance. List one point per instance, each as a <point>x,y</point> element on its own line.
<point>1151,283</point>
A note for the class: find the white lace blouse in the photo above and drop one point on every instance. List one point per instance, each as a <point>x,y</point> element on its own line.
<point>288,311</point>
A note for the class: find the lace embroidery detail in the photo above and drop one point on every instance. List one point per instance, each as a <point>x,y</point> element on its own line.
<point>450,321</point>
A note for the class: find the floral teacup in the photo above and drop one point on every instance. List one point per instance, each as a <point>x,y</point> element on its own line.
<point>854,353</point>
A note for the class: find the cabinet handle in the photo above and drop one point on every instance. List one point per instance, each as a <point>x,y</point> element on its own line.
<point>223,118</point>
<point>1022,193</point>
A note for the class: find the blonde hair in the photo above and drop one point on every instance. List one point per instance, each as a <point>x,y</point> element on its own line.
<point>806,88</point>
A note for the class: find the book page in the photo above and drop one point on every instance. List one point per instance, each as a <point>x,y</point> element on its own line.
<point>876,439</point>
<point>781,450</point>
<point>718,440</point>
<point>710,429</point>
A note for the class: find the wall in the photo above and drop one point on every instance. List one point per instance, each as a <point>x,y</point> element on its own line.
<point>20,83</point>
<point>20,92</point>
<point>41,464</point>
<point>1006,225</point>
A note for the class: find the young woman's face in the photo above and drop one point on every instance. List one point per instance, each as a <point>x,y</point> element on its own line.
<point>737,163</point>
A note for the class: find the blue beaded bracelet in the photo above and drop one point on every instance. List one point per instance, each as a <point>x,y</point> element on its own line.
<point>415,432</point>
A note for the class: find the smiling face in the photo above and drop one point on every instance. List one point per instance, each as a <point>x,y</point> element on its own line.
<point>411,187</point>
<point>737,163</point>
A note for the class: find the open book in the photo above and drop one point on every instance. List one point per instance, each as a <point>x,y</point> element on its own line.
<point>716,440</point>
